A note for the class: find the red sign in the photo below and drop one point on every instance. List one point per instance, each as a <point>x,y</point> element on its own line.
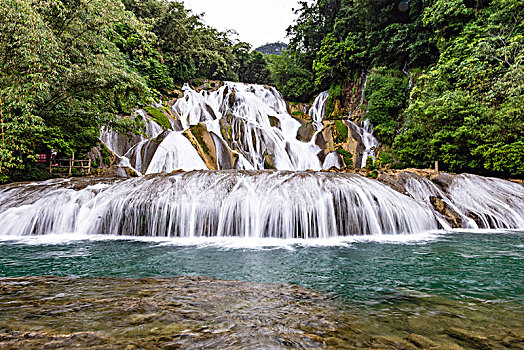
<point>41,158</point>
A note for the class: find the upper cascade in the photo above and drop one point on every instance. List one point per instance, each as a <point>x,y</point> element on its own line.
<point>238,126</point>
<point>318,109</point>
<point>369,141</point>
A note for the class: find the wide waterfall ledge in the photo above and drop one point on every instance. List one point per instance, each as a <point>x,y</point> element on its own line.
<point>259,204</point>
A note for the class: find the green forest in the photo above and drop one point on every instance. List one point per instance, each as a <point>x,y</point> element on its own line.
<point>441,80</point>
<point>445,78</point>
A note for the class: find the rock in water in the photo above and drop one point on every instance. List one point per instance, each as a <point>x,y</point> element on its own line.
<point>184,312</point>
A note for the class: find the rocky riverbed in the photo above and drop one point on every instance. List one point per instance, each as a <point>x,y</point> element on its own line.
<point>195,313</point>
<point>185,312</point>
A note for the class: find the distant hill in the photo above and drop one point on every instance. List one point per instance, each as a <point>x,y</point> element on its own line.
<point>272,49</point>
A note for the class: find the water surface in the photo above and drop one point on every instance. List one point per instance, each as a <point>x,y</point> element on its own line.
<point>487,265</point>
<point>461,288</point>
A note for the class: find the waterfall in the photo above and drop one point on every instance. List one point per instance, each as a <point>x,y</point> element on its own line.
<point>215,204</point>
<point>130,148</point>
<point>490,202</point>
<point>371,144</point>
<point>423,190</point>
<point>248,122</point>
<point>332,161</point>
<point>253,121</point>
<point>257,204</point>
<point>175,152</point>
<point>318,109</point>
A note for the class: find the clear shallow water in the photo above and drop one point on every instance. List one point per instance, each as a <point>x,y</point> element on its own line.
<point>484,266</point>
<point>429,291</point>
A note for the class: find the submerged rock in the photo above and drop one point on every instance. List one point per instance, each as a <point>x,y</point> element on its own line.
<point>184,312</point>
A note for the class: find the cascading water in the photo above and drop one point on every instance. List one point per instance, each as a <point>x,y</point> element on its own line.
<point>423,191</point>
<point>175,152</point>
<point>252,204</point>
<point>318,110</point>
<point>471,201</point>
<point>492,203</point>
<point>332,161</point>
<point>248,127</point>
<point>369,141</point>
<point>317,113</point>
<point>130,149</point>
<point>251,122</point>
<point>215,204</point>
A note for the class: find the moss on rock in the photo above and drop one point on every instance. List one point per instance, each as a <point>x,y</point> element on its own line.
<point>342,131</point>
<point>159,117</point>
<point>346,156</point>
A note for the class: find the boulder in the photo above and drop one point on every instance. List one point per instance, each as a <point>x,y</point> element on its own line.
<point>443,181</point>
<point>226,159</point>
<point>452,217</point>
<point>393,182</point>
<point>202,140</point>
<point>305,132</point>
<point>275,122</point>
<point>302,118</point>
<point>269,161</point>
<point>355,145</point>
<point>140,155</point>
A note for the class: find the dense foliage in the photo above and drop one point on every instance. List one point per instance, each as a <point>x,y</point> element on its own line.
<point>445,78</point>
<point>69,67</point>
<point>63,75</point>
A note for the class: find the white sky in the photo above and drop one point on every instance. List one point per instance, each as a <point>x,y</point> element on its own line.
<point>256,21</point>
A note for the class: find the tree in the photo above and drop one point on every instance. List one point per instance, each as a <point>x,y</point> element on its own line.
<point>334,61</point>
<point>291,78</point>
<point>255,69</point>
<point>62,75</point>
<point>189,49</point>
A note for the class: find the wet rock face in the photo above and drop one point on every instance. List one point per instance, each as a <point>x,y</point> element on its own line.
<point>392,182</point>
<point>147,152</point>
<point>305,132</point>
<point>185,312</point>
<point>443,181</point>
<point>454,218</point>
<point>204,143</point>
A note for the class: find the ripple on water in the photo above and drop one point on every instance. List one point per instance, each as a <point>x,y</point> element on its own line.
<point>460,288</point>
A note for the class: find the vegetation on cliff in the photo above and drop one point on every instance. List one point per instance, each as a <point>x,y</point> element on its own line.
<point>440,80</point>
<point>445,79</point>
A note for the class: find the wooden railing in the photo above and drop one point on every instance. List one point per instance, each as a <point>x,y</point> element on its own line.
<point>66,166</point>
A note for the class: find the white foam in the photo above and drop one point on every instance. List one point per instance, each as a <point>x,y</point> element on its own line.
<point>228,242</point>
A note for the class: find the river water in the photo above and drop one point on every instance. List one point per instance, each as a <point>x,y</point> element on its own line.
<point>455,288</point>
